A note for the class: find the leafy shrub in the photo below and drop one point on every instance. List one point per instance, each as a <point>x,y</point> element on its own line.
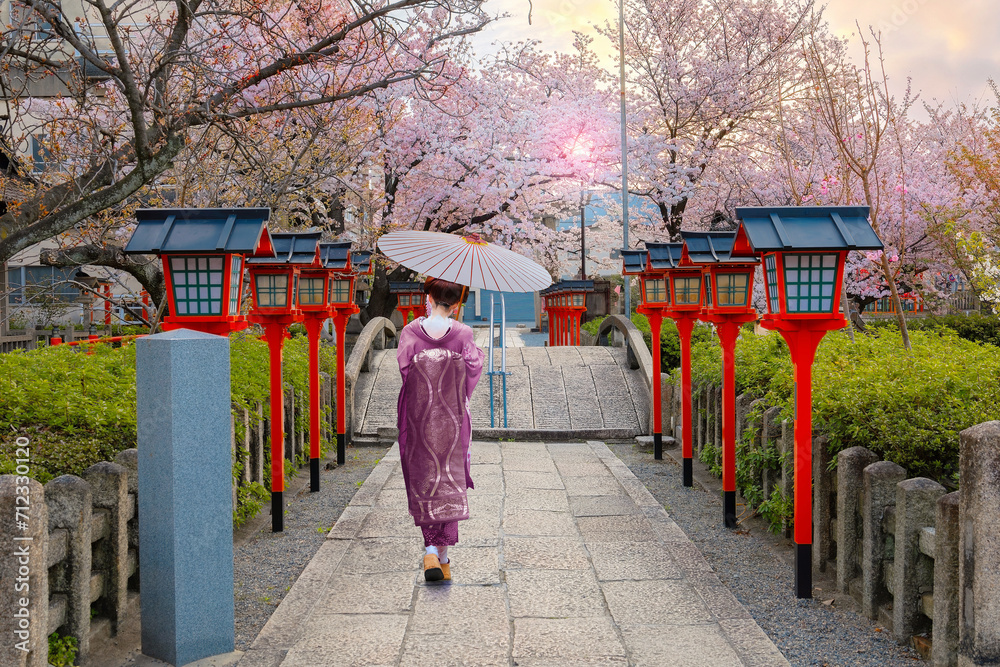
<point>79,409</point>
<point>974,327</point>
<point>62,650</point>
<point>907,407</point>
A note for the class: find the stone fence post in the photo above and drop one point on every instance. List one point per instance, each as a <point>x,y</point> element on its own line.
<point>880,481</point>
<point>913,575</point>
<point>851,464</point>
<point>24,568</point>
<point>70,503</point>
<point>979,545</point>
<point>822,500</point>
<point>946,555</point>
<point>109,484</point>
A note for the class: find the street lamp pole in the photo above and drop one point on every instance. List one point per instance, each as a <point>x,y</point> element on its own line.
<point>621,78</point>
<point>583,237</point>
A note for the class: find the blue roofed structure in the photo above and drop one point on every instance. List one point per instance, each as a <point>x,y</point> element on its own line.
<point>196,231</point>
<point>290,248</point>
<point>634,261</point>
<point>361,260</point>
<point>713,248</point>
<point>781,228</point>
<point>336,255</point>
<point>665,255</point>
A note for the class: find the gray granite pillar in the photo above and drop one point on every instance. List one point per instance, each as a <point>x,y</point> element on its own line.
<point>109,484</point>
<point>185,507</point>
<point>944,651</point>
<point>879,494</point>
<point>24,604</point>
<point>913,572</point>
<point>979,546</point>
<point>70,505</point>
<point>698,411</point>
<point>851,464</point>
<point>822,500</point>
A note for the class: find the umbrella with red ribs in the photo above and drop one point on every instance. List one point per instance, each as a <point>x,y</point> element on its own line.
<point>465,260</point>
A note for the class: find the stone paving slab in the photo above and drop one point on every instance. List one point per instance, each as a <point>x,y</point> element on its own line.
<point>547,572</point>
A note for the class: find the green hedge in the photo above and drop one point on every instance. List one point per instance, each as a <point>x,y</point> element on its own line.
<point>907,407</point>
<point>670,341</point>
<point>79,409</point>
<point>975,327</point>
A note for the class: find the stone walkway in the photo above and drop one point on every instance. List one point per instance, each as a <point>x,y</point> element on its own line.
<point>566,561</point>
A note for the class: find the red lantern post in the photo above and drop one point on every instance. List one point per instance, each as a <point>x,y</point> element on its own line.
<point>728,290</point>
<point>566,302</point>
<point>274,284</point>
<point>803,251</point>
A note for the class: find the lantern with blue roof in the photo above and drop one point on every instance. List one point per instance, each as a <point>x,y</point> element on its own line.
<point>275,283</point>
<point>803,250</point>
<point>728,280</point>
<point>203,252</point>
<point>410,298</point>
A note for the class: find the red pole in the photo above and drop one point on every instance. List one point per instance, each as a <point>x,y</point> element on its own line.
<point>107,304</point>
<point>552,328</point>
<point>313,324</point>
<point>340,322</point>
<point>275,336</point>
<point>802,344</point>
<point>685,325</point>
<point>728,332</point>
<point>655,317</point>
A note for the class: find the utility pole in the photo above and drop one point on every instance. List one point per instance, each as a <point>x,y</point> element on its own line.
<point>583,237</point>
<point>621,77</point>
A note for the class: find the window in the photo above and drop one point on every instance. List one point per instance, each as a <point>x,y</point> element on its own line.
<point>809,283</point>
<point>687,291</point>
<point>656,291</point>
<point>770,269</point>
<point>340,291</point>
<point>197,283</point>
<point>311,291</point>
<point>235,284</point>
<point>732,289</point>
<point>577,299</point>
<point>28,285</point>
<point>272,290</point>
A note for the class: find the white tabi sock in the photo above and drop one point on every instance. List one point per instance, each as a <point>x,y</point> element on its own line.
<point>444,554</point>
<point>432,550</point>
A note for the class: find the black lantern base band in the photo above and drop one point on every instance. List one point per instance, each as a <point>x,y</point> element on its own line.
<point>688,472</point>
<point>729,508</point>
<point>314,475</point>
<point>341,449</point>
<point>803,571</point>
<point>277,512</point>
<point>658,446</point>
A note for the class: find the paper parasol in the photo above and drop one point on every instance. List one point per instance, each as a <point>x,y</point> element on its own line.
<point>466,260</point>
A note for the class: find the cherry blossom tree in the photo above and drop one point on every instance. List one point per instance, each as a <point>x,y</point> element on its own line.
<point>141,83</point>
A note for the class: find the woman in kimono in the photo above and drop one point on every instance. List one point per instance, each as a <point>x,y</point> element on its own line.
<point>440,364</point>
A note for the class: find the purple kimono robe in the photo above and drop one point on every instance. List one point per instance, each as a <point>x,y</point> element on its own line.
<point>432,414</point>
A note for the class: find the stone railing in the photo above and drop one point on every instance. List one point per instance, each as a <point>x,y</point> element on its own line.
<point>86,531</point>
<point>618,331</point>
<point>893,542</point>
<point>376,335</point>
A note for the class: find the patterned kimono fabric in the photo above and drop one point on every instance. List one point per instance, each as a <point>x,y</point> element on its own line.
<point>435,427</point>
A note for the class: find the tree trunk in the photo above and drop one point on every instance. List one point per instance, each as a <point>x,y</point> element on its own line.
<point>900,318</point>
<point>382,303</point>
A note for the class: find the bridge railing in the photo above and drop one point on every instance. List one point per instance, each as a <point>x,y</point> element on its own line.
<point>640,358</point>
<point>373,337</point>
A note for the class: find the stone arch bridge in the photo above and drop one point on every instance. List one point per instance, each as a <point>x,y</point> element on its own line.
<point>598,392</point>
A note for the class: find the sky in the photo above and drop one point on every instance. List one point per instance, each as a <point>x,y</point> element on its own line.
<point>948,47</point>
